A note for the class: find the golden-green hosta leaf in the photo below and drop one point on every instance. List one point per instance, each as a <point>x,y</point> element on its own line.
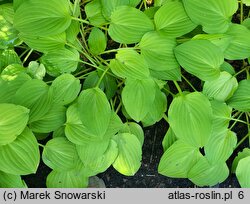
<point>239,47</point>
<point>97,41</point>
<point>243,154</point>
<point>221,116</point>
<point>11,181</point>
<point>168,139</point>
<point>45,44</point>
<point>222,88</point>
<point>135,129</point>
<point>129,64</point>
<point>220,146</point>
<point>241,98</point>
<point>128,25</point>
<point>21,157</point>
<point>44,18</point>
<point>91,151</point>
<point>190,117</point>
<point>60,154</point>
<point>94,111</point>
<point>178,159</point>
<point>72,31</point>
<point>12,71</point>
<point>75,131</point>
<point>228,68</point>
<point>108,7</point>
<point>61,61</point>
<point>104,161</point>
<point>13,120</point>
<point>94,14</point>
<point>138,97</point>
<point>158,108</point>
<point>243,172</point>
<point>157,49</point>
<point>65,89</point>
<point>220,40</point>
<point>218,13</point>
<point>9,88</point>
<point>54,118</point>
<point>200,58</point>
<point>205,174</point>
<point>172,19</point>
<point>34,94</point>
<point>67,179</point>
<point>172,74</point>
<point>7,57</point>
<point>8,34</point>
<point>129,156</point>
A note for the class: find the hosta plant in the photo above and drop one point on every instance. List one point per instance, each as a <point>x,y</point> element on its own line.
<point>87,76</point>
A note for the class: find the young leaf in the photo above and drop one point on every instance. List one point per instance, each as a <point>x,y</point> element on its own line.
<point>11,181</point>
<point>157,49</point>
<point>171,18</point>
<point>45,44</point>
<point>239,47</point>
<point>158,108</point>
<point>205,174</point>
<point>222,88</point>
<point>200,58</point>
<point>21,157</point>
<point>190,117</point>
<point>128,25</point>
<point>65,89</point>
<point>13,120</point>
<point>245,153</point>
<point>36,70</point>
<point>43,18</point>
<point>220,146</point>
<point>60,154</point>
<point>241,98</point>
<point>178,159</point>
<point>97,41</point>
<point>129,64</point>
<point>61,61</point>
<point>218,14</point>
<point>94,111</point>
<point>138,97</point>
<point>67,179</point>
<point>243,172</point>
<point>129,156</point>
<point>55,118</point>
<point>34,94</point>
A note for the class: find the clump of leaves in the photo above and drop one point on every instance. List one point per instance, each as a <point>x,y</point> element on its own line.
<point>61,81</point>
